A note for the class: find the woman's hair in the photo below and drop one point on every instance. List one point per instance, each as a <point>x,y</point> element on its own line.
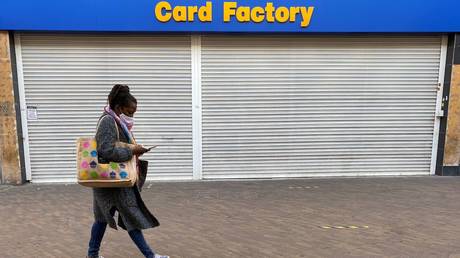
<point>120,96</point>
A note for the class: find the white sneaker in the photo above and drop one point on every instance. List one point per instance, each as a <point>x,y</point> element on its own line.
<point>161,256</point>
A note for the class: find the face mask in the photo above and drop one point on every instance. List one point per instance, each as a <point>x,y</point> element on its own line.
<point>128,120</point>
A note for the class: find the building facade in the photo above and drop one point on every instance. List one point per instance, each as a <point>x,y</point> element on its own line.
<point>235,90</point>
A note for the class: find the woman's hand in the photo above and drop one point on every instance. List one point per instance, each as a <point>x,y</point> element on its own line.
<point>138,150</point>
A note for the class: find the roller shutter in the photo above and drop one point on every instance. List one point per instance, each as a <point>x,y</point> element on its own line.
<point>68,78</point>
<point>291,106</point>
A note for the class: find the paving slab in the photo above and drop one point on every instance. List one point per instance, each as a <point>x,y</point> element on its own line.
<point>329,217</point>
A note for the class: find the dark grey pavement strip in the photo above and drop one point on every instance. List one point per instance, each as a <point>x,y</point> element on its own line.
<point>365,217</point>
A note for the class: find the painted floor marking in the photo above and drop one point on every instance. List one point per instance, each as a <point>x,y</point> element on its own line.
<point>303,187</point>
<point>343,227</point>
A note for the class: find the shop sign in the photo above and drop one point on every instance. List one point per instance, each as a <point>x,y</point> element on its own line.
<point>224,16</point>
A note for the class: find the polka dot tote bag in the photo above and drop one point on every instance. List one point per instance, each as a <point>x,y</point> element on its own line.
<point>91,173</point>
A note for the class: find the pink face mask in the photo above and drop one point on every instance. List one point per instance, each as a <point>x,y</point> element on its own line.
<point>129,121</point>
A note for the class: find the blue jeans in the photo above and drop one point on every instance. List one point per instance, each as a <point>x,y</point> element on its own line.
<point>97,233</point>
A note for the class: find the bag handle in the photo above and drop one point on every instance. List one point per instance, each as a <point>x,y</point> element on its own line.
<point>116,126</point>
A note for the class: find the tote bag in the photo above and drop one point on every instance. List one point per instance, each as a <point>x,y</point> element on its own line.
<point>91,173</point>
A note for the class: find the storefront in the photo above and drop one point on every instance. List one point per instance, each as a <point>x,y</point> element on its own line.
<point>271,90</point>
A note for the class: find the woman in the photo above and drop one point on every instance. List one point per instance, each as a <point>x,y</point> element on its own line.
<point>133,215</point>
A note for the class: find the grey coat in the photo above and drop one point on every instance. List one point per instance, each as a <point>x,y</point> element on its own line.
<point>132,212</point>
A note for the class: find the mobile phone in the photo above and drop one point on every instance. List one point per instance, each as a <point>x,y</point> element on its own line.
<point>151,147</point>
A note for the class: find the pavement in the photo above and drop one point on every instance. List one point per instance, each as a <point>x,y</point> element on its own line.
<point>330,217</point>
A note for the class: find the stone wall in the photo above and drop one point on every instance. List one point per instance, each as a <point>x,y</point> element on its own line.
<point>9,147</point>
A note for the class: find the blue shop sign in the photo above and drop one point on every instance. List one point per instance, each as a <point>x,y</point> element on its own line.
<point>306,16</point>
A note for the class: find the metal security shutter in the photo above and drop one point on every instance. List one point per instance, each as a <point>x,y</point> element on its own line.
<point>68,77</point>
<point>290,106</point>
